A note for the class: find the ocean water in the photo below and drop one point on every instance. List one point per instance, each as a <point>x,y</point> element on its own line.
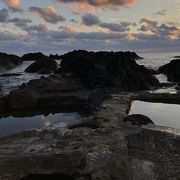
<point>155,60</point>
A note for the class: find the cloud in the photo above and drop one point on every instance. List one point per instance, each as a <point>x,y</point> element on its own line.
<point>168,30</point>
<point>49,14</point>
<point>162,12</point>
<point>12,4</point>
<point>42,38</point>
<point>91,20</point>
<point>121,27</point>
<point>4,15</point>
<point>103,3</point>
<point>20,22</point>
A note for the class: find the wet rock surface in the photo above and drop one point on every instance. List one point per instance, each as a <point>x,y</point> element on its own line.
<point>43,66</point>
<point>9,61</point>
<point>108,69</point>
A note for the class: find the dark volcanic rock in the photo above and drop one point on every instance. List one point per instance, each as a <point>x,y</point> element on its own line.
<point>43,66</point>
<point>56,56</point>
<point>33,56</point>
<point>9,61</point>
<point>108,69</point>
<point>176,56</point>
<point>148,71</point>
<point>138,119</point>
<point>171,70</point>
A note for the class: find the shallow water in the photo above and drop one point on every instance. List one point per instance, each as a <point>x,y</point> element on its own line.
<point>160,113</point>
<point>10,125</point>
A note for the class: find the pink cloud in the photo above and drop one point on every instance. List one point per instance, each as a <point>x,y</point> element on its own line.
<point>13,4</point>
<point>102,3</point>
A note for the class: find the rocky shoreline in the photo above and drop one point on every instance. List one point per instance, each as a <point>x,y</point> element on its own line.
<point>102,146</point>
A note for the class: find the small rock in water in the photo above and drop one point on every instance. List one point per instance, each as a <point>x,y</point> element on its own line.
<point>138,119</point>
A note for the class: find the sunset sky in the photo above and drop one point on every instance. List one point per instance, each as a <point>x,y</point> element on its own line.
<point>58,26</point>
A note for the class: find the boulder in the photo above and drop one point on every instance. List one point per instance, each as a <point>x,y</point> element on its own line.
<point>9,61</point>
<point>171,70</point>
<point>108,69</point>
<point>33,56</point>
<point>43,66</point>
<point>138,120</point>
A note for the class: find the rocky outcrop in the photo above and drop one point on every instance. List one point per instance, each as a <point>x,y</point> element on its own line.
<point>138,120</point>
<point>171,70</point>
<point>33,56</point>
<point>9,61</point>
<point>62,92</point>
<point>43,66</point>
<point>108,69</point>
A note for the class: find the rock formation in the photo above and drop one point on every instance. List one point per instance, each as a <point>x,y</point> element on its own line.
<point>108,69</point>
<point>9,61</point>
<point>171,70</point>
<point>56,56</point>
<point>33,56</point>
<point>43,66</point>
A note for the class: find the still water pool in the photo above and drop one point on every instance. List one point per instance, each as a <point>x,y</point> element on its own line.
<point>10,125</point>
<point>160,113</point>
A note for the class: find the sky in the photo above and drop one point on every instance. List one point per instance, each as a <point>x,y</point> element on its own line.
<point>58,26</point>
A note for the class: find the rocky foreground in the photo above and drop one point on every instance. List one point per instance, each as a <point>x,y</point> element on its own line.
<point>104,145</point>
